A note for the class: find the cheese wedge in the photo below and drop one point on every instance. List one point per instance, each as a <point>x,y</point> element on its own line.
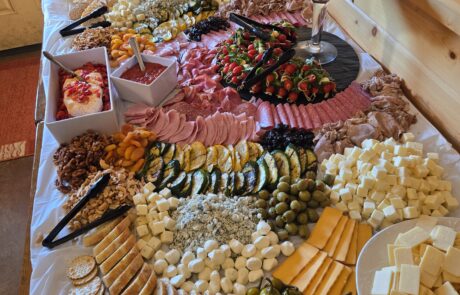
<point>324,228</point>
<point>333,241</point>
<point>432,261</point>
<point>350,286</point>
<point>344,244</point>
<point>341,281</point>
<point>352,251</point>
<point>330,278</point>
<point>302,280</point>
<point>364,234</point>
<point>450,277</point>
<point>287,271</point>
<point>311,289</point>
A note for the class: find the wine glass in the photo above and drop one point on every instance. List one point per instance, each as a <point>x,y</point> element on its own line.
<point>324,52</point>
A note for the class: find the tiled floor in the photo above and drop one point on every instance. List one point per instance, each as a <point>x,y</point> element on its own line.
<point>15,179</point>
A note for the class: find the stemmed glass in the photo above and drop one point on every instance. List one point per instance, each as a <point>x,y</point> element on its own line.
<point>324,52</point>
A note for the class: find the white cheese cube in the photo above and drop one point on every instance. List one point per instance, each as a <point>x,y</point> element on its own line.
<point>142,230</point>
<point>433,156</point>
<point>400,150</point>
<point>410,212</point>
<point>414,146</point>
<point>443,210</point>
<point>141,209</point>
<point>378,147</point>
<point>391,179</point>
<point>426,211</point>
<point>345,194</point>
<point>346,174</point>
<point>432,202</point>
<point>141,243</point>
<point>383,205</point>
<point>387,156</point>
<point>402,255</point>
<point>443,237</point>
<point>399,191</point>
<point>437,171</point>
<point>436,213</point>
<point>385,223</point>
<point>342,206</point>
<point>352,187</point>
<point>427,222</point>
<point>362,191</point>
<point>414,203</point>
<point>377,196</point>
<point>367,155</point>
<point>149,187</point>
<point>390,213</point>
<point>167,237</point>
<point>421,171</point>
<point>378,173</point>
<point>354,206</point>
<point>334,197</point>
<point>432,260</point>
<point>141,220</point>
<point>368,208</point>
<point>377,216</point>
<point>444,185</point>
<point>166,193</point>
<point>147,252</point>
<point>446,289</point>
<point>355,215</point>
<point>413,237</point>
<point>452,261</point>
<point>451,202</point>
<point>154,243</point>
<point>139,198</point>
<point>403,172</point>
<point>162,205</point>
<point>409,279</point>
<point>173,202</point>
<point>397,202</point>
<point>368,143</point>
<point>408,137</point>
<point>382,282</point>
<point>157,227</point>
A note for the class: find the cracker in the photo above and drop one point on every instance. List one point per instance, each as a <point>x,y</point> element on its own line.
<point>86,279</point>
<point>81,266</point>
<point>90,288</point>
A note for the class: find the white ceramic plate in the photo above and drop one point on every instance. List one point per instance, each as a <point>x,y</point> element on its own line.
<point>374,254</point>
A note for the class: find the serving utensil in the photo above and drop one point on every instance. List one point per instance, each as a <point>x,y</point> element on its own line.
<point>135,46</point>
<point>51,58</point>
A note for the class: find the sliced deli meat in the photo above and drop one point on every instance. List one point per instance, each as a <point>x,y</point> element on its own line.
<point>298,116</point>
<point>290,115</point>
<point>338,108</point>
<point>276,116</point>
<point>306,119</point>
<point>282,114</point>
<point>315,119</point>
<point>324,117</point>
<point>264,115</point>
<point>332,112</point>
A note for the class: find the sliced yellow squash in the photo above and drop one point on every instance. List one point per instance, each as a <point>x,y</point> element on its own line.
<point>187,150</point>
<point>212,154</point>
<point>197,155</point>
<point>179,155</point>
<point>243,149</point>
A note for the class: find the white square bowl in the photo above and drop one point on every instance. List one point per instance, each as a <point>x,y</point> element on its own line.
<point>152,94</point>
<point>103,122</point>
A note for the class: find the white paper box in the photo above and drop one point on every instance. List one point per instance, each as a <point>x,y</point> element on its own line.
<point>103,122</point>
<point>152,94</point>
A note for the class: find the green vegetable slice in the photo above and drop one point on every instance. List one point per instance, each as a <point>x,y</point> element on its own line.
<point>273,173</point>
<point>178,183</point>
<point>250,175</point>
<point>185,192</point>
<point>282,163</point>
<point>170,173</point>
<point>294,162</point>
<point>168,155</point>
<point>262,177</point>
<point>199,181</point>
<point>214,184</point>
<point>240,183</point>
<point>155,171</point>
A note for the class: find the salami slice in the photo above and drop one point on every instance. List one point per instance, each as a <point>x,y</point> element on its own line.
<point>282,114</point>
<point>297,116</point>
<point>324,116</point>
<point>332,112</point>
<point>290,115</point>
<point>362,95</point>
<point>305,117</point>
<point>347,107</point>
<point>315,119</point>
<point>334,105</point>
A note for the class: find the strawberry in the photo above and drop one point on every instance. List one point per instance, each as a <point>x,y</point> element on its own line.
<point>270,90</point>
<point>281,93</point>
<point>288,84</point>
<point>269,79</point>
<point>302,86</point>
<point>290,69</point>
<point>292,97</point>
<point>256,88</point>
<point>282,38</point>
<point>235,80</point>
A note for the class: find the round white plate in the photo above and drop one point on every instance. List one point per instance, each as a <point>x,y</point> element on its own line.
<point>374,254</point>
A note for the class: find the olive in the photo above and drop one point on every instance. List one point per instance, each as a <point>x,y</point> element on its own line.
<point>320,185</point>
<point>294,189</point>
<point>302,184</point>
<point>311,185</point>
<point>325,203</point>
<point>264,195</point>
<point>302,218</point>
<point>263,213</point>
<point>269,291</point>
<point>280,208</point>
<point>329,179</point>
<point>285,179</point>
<point>289,216</point>
<point>292,198</point>
<point>278,284</point>
<point>292,291</point>
<point>253,291</point>
<point>279,222</point>
<point>318,196</point>
<point>272,212</point>
<point>291,228</point>
<point>303,206</point>
<point>272,224</point>
<point>272,202</point>
<point>304,231</point>
<point>312,215</point>
<point>296,206</point>
<point>310,175</point>
<point>275,193</point>
<point>313,204</point>
<point>283,187</point>
<point>260,203</point>
<point>282,234</point>
<point>282,197</point>
<point>304,196</point>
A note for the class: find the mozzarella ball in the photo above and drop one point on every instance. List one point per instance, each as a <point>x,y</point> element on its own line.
<point>210,245</point>
<point>240,262</point>
<point>159,266</point>
<point>249,250</point>
<point>243,276</point>
<point>254,263</point>
<point>236,246</point>
<point>231,273</point>
<point>287,248</point>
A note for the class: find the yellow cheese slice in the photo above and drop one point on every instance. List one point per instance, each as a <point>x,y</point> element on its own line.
<point>341,281</point>
<point>302,280</point>
<point>352,251</point>
<point>350,286</point>
<point>344,244</point>
<point>318,277</point>
<point>364,234</point>
<point>427,279</point>
<point>333,241</point>
<point>324,228</point>
<point>391,254</point>
<point>287,271</point>
<point>450,277</point>
<point>330,278</point>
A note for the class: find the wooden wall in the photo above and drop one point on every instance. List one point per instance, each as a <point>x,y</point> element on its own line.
<point>420,41</point>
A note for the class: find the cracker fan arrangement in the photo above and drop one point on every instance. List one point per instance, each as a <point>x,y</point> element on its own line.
<point>199,191</point>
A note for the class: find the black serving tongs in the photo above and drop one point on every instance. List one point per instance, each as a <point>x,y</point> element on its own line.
<point>253,26</point>
<point>93,191</point>
<point>70,29</point>
<point>252,78</point>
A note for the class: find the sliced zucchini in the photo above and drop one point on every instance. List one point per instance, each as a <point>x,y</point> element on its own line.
<point>197,155</point>
<point>253,151</point>
<point>262,176</point>
<point>178,183</point>
<point>294,162</point>
<point>240,183</point>
<point>223,183</point>
<point>185,192</point>
<point>164,147</point>
<point>170,173</point>
<point>168,155</point>
<point>230,184</point>
<point>155,171</point>
<point>186,166</point>
<point>214,184</point>
<point>282,163</point>
<point>179,155</point>
<point>155,150</point>
<point>312,160</point>
<point>273,174</point>
<point>199,182</point>
<point>303,159</point>
<point>250,175</point>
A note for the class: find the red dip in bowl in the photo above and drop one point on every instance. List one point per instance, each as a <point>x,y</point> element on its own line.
<point>152,71</point>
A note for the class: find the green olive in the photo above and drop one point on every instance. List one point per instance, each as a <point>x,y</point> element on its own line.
<point>310,175</point>
<point>272,202</point>
<point>302,184</point>
<point>272,212</point>
<point>302,218</point>
<point>253,291</point>
<point>313,204</point>
<point>329,179</point>
<point>264,195</point>
<point>272,224</point>
<point>325,203</point>
<point>285,179</point>
<point>279,222</point>
<point>304,231</point>
<point>311,185</point>
<point>289,216</point>
<point>303,206</point>
<point>275,193</point>
<point>291,228</point>
<point>282,197</point>
<point>312,215</point>
<point>294,190</point>
<point>283,187</point>
<point>260,203</point>
<point>320,185</point>
<point>296,206</point>
<point>281,207</point>
<point>318,196</point>
<point>305,196</point>
<point>282,234</point>
<point>278,284</point>
<point>292,198</point>
<point>263,213</point>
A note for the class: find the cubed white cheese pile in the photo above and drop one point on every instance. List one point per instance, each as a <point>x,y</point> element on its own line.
<point>423,260</point>
<point>386,182</point>
<point>212,268</point>
<point>121,15</point>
